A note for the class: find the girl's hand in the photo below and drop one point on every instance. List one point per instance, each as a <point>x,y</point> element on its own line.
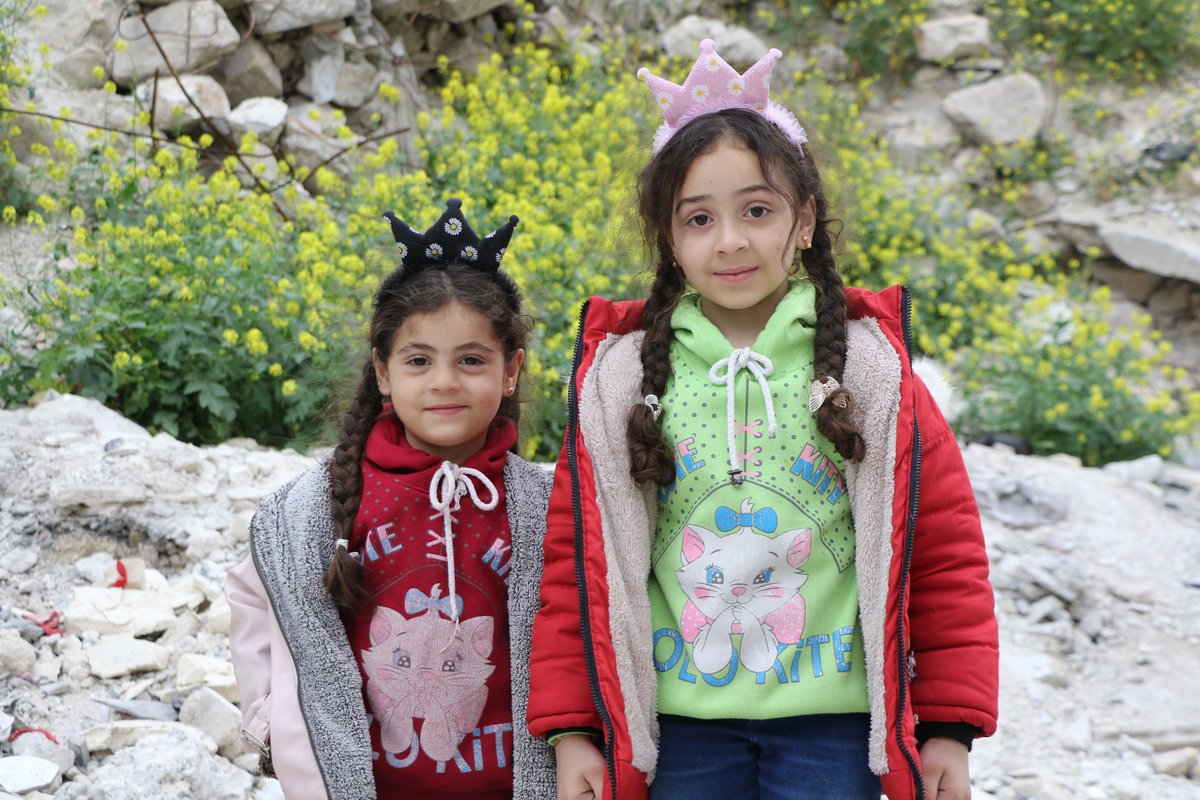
<point>944,764</point>
<point>580,768</point>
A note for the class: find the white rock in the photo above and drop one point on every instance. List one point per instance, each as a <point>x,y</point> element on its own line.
<point>132,611</point>
<point>1001,111</point>
<point>737,45</point>
<point>1177,763</point>
<point>24,774</point>
<point>20,560</point>
<point>123,733</point>
<point>1146,468</point>
<point>1154,244</point>
<point>179,763</point>
<point>210,712</point>
<point>250,72</point>
<point>193,670</point>
<point>16,654</point>
<point>948,38</point>
<point>265,116</point>
<point>174,112</point>
<point>271,16</point>
<point>192,33</point>
<point>216,618</point>
<point>118,655</point>
<point>94,568</point>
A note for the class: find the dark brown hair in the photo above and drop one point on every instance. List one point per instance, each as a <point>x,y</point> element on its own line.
<point>795,176</point>
<point>404,294</point>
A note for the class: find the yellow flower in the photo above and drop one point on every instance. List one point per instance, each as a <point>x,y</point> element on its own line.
<point>275,370</point>
<point>288,388</point>
<point>230,336</point>
<point>121,360</point>
<point>255,343</point>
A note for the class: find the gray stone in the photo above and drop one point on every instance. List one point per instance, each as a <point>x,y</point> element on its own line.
<point>76,32</point>
<point>105,610</point>
<point>118,655</point>
<point>1036,198</point>
<point>323,62</point>
<point>927,136</point>
<point>356,84</point>
<point>214,715</point>
<point>36,745</point>
<point>1017,502</point>
<point>94,568</point>
<point>250,72</point>
<point>952,37</point>
<point>1004,110</point>
<point>272,16</point>
<point>20,560</point>
<point>1146,468</point>
<point>16,655</point>
<point>174,112</point>
<point>141,709</point>
<point>195,35</point>
<point>265,116</point>
<point>737,45</point>
<point>1154,244</point>
<point>193,671</point>
<point>182,759</point>
<point>1177,763</point>
<point>24,774</point>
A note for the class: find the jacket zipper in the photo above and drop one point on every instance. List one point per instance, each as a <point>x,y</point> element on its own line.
<point>914,493</point>
<point>589,652</point>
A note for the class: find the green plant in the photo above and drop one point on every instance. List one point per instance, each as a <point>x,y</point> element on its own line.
<point>14,91</point>
<point>1068,383</point>
<point>1124,39</point>
<point>193,309</point>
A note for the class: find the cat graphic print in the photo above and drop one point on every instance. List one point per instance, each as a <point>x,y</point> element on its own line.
<point>425,667</point>
<point>742,582</point>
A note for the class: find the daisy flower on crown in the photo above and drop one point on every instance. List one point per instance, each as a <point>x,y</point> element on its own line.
<point>714,86</point>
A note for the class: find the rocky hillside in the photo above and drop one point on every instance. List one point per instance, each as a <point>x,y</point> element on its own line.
<point>113,628</point>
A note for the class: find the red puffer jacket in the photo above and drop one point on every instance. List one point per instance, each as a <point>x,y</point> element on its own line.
<point>926,607</point>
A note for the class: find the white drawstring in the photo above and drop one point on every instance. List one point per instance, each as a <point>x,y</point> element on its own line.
<point>446,490</point>
<point>760,367</point>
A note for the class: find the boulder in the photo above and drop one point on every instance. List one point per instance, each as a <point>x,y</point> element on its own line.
<point>195,35</point>
<point>949,38</point>
<point>1001,111</point>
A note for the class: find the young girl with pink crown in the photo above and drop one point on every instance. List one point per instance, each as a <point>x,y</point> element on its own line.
<point>765,572</point>
<point>380,630</point>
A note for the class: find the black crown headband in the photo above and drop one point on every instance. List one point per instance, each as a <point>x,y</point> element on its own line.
<point>450,239</point>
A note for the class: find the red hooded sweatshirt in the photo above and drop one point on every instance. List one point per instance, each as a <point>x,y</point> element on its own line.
<point>432,640</point>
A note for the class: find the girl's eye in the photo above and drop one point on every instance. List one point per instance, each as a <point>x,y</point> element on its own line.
<point>418,361</point>
<point>699,220</point>
<point>472,361</point>
<point>758,212</point>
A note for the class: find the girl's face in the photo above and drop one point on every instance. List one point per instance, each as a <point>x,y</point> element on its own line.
<point>732,236</point>
<point>446,375</point>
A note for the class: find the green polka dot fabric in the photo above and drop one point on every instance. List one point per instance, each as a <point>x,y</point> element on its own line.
<point>753,587</point>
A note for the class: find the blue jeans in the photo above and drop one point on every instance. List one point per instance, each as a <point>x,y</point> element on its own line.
<point>819,757</point>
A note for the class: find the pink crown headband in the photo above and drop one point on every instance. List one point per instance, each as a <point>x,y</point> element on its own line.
<point>714,86</point>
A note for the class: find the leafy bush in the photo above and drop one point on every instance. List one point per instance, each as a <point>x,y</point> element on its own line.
<point>193,308</point>
<point>1125,39</point>
<point>14,75</point>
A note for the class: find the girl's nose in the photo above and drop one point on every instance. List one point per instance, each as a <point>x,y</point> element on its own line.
<point>445,378</point>
<point>731,238</point>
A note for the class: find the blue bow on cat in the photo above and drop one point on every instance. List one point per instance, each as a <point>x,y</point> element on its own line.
<point>765,519</point>
<point>416,600</point>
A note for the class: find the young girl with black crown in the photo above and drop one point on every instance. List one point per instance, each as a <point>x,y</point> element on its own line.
<point>765,572</point>
<point>380,629</point>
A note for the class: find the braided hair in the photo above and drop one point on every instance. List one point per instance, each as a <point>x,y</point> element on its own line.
<point>403,294</point>
<point>794,175</point>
